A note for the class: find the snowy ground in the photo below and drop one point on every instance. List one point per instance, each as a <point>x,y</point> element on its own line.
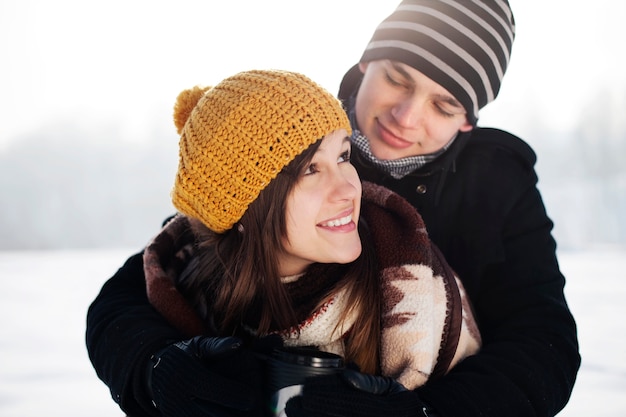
<point>44,368</point>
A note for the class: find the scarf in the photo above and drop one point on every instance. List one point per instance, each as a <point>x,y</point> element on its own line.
<point>427,322</point>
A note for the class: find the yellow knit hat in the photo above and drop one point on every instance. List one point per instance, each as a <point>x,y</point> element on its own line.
<point>237,136</point>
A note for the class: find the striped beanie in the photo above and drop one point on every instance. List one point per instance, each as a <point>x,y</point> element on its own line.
<point>237,136</point>
<point>463,45</point>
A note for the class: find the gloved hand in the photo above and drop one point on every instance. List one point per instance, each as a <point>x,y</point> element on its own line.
<point>353,394</point>
<point>208,376</point>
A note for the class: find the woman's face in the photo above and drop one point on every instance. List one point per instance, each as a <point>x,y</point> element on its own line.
<point>404,113</point>
<point>323,210</point>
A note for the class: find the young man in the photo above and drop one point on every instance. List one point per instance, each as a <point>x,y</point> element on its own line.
<point>413,101</point>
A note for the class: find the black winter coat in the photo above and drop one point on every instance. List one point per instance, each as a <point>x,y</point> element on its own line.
<point>485,213</point>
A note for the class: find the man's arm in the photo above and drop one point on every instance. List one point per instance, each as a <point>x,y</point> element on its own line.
<point>529,360</point>
<point>123,331</point>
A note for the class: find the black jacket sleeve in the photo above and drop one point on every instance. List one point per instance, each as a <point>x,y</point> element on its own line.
<point>123,331</point>
<point>506,257</point>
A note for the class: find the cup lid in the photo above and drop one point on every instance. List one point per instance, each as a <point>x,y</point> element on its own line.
<point>308,356</point>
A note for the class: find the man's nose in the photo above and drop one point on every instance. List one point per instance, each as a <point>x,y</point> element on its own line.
<point>408,112</point>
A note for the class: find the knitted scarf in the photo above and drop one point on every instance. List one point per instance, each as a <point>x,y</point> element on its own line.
<point>427,322</point>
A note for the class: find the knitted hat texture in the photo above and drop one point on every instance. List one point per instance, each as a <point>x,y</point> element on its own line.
<point>462,45</point>
<point>237,136</point>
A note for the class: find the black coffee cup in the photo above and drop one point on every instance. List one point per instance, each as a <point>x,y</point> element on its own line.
<point>289,367</point>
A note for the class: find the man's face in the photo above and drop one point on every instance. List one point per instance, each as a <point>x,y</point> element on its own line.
<point>404,113</point>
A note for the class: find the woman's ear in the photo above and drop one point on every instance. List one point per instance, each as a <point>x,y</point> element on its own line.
<point>363,67</point>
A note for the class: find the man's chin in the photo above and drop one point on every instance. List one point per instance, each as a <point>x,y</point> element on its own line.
<point>386,152</point>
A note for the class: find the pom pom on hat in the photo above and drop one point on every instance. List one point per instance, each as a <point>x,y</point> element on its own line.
<point>185,102</point>
<point>237,136</point>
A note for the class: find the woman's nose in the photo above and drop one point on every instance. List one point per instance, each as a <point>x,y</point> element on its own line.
<point>343,184</point>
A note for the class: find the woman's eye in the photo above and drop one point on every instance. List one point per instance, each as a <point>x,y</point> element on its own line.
<point>344,157</point>
<point>311,169</point>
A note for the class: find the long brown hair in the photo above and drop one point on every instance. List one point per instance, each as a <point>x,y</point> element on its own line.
<point>234,272</point>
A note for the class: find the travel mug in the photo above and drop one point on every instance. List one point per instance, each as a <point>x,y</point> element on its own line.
<point>288,368</point>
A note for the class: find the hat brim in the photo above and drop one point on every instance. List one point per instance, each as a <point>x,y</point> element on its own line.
<point>350,84</point>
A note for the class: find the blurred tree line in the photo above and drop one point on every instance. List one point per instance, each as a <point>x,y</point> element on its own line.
<point>66,187</point>
<point>70,187</point>
<point>582,174</point>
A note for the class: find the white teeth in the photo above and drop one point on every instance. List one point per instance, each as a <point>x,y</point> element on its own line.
<point>339,222</point>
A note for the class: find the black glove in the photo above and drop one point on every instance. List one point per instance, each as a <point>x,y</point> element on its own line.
<point>353,394</point>
<point>208,376</point>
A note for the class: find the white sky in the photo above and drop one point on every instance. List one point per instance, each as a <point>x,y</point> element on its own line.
<point>93,63</point>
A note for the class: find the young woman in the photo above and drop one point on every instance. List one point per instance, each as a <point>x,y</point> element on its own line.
<point>276,235</point>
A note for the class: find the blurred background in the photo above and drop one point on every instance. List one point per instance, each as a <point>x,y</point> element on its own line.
<point>88,149</point>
